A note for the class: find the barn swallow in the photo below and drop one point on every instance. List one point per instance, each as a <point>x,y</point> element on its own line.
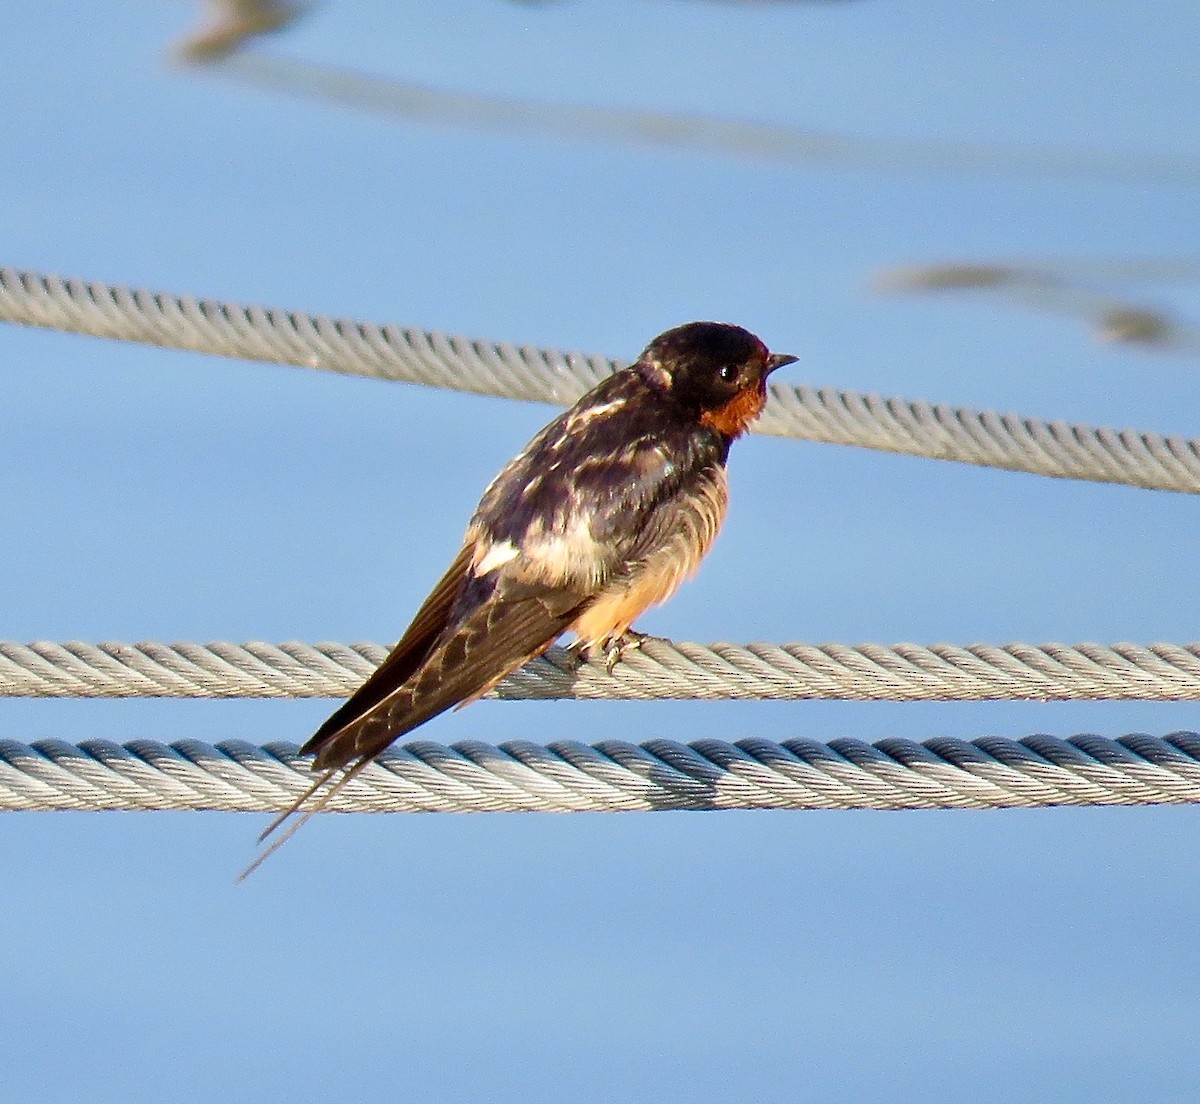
<point>605,512</point>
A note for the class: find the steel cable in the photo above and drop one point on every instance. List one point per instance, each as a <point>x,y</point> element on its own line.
<point>613,776</point>
<point>658,669</point>
<point>415,356</point>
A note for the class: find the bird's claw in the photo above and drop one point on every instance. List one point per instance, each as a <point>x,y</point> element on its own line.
<point>575,654</point>
<point>617,646</point>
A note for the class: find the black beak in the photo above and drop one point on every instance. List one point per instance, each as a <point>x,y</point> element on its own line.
<point>778,360</point>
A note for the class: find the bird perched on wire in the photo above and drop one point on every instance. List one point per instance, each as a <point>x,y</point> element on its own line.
<point>602,515</point>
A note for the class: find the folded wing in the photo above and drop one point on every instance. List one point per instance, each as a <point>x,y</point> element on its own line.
<point>446,658</point>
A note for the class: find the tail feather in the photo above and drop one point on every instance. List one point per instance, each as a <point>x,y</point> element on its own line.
<point>304,818</point>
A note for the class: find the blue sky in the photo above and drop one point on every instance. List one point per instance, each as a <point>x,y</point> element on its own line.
<point>1030,955</point>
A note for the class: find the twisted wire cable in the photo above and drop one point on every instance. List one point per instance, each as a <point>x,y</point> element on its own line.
<point>613,776</point>
<point>941,432</point>
<point>657,669</point>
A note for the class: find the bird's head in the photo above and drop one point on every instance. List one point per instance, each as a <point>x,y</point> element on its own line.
<point>715,370</point>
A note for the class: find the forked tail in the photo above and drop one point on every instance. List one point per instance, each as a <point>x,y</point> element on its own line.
<point>305,816</point>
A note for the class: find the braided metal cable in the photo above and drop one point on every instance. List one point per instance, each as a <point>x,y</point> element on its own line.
<point>658,669</point>
<point>415,356</point>
<point>613,776</point>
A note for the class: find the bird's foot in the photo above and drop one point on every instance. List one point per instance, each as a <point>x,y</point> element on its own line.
<point>613,649</point>
<point>617,646</point>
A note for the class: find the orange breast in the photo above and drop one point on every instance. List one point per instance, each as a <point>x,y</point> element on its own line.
<point>734,418</point>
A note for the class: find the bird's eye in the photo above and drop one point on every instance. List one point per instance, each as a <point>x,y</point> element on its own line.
<point>728,373</point>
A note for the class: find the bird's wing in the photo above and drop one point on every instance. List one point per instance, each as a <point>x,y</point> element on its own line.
<point>436,665</point>
<point>497,637</point>
<point>517,622</point>
<point>405,658</point>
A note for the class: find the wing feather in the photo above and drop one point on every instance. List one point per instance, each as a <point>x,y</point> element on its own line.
<point>405,658</point>
<point>494,640</point>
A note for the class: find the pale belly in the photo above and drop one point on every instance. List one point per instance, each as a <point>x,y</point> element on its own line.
<point>660,572</point>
